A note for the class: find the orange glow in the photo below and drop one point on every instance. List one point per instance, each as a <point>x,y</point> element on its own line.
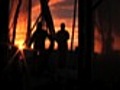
<point>97,47</point>
<point>116,43</point>
<point>22,25</point>
<point>97,41</point>
<point>22,28</point>
<point>20,33</point>
<point>21,47</point>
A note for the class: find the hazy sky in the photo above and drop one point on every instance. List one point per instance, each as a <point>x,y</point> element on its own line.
<point>109,14</point>
<point>62,11</point>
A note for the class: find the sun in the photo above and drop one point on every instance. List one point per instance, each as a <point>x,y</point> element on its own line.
<point>21,47</point>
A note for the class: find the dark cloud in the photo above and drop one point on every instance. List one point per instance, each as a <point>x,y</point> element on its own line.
<point>63,3</point>
<point>62,13</point>
<point>63,9</point>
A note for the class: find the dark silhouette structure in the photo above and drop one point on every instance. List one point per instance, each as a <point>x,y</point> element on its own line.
<point>86,40</point>
<point>4,38</point>
<point>62,37</point>
<point>46,16</point>
<point>7,78</point>
<point>74,23</point>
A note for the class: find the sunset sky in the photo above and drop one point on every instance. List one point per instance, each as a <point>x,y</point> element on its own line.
<point>61,10</point>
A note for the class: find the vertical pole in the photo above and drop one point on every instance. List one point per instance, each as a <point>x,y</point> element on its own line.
<point>4,32</point>
<point>29,21</point>
<point>86,39</point>
<point>4,4</point>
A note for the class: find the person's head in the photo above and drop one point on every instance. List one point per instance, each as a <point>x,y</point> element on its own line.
<point>62,26</point>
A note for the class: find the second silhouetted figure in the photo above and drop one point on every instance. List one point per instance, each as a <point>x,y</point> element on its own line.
<point>62,37</point>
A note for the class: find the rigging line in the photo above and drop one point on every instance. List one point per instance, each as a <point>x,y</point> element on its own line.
<point>28,21</point>
<point>11,61</point>
<point>37,20</point>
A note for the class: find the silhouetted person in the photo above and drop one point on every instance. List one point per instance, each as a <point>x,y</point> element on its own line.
<point>38,38</point>
<point>62,37</point>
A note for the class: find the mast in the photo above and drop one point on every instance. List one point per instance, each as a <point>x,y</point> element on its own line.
<point>29,22</point>
<point>47,17</point>
<point>74,22</point>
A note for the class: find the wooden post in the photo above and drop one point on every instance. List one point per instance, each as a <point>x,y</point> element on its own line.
<point>4,32</point>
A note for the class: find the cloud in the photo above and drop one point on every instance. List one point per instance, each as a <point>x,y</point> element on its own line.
<point>63,3</point>
<point>63,9</point>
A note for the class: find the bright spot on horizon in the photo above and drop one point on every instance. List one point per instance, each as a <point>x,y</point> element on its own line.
<point>21,47</point>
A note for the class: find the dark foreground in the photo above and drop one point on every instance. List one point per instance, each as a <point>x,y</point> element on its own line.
<point>24,74</point>
<point>106,71</point>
